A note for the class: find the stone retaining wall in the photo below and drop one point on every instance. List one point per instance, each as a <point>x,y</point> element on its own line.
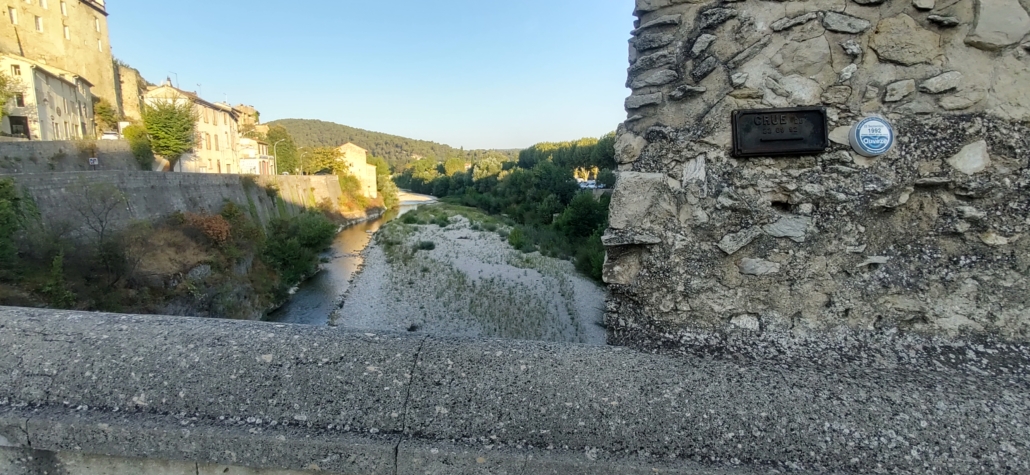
<point>930,238</point>
<point>83,386</point>
<point>19,157</point>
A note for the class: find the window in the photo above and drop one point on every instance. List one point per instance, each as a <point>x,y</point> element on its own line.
<point>100,45</point>
<point>13,14</point>
<point>64,9</point>
<point>214,118</point>
<point>15,70</point>
<point>228,168</point>
<point>39,24</point>
<point>19,100</point>
<point>216,143</point>
<point>44,4</point>
<point>96,21</point>
<point>67,33</point>
<point>207,120</point>
<point>207,140</point>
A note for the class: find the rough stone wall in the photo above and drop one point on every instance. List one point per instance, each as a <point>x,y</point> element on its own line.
<point>154,195</point>
<point>930,238</point>
<point>131,88</point>
<point>82,54</point>
<point>64,156</point>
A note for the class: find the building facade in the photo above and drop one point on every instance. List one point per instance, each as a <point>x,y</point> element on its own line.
<point>254,158</point>
<point>357,163</point>
<point>50,103</point>
<point>217,143</point>
<point>67,34</point>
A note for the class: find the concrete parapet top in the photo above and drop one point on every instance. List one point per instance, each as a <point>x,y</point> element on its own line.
<point>294,397</point>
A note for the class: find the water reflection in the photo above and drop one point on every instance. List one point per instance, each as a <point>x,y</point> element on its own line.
<point>319,296</point>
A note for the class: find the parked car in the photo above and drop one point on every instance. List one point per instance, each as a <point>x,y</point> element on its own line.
<point>110,136</point>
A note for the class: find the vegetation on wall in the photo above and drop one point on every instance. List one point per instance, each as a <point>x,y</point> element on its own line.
<point>106,115</point>
<point>8,89</point>
<point>139,142</point>
<point>216,265</point>
<point>171,126</point>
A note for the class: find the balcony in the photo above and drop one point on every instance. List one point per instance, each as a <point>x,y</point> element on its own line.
<point>98,5</point>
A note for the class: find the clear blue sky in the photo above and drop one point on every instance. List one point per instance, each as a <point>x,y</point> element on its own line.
<point>471,73</point>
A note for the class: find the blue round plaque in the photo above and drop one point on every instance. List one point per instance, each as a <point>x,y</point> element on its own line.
<point>872,137</point>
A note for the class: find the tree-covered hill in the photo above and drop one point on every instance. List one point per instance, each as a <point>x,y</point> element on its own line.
<point>397,151</point>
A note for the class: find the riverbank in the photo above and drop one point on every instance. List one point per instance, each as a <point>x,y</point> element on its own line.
<point>449,270</point>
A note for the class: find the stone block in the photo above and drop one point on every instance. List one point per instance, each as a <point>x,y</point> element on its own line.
<point>901,40</point>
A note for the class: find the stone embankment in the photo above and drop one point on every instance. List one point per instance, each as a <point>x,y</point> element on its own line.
<point>82,390</point>
<point>931,238</point>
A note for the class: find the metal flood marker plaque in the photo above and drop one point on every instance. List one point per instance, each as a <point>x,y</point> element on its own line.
<point>772,132</point>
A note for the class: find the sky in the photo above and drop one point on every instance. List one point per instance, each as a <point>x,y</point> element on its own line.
<point>466,73</point>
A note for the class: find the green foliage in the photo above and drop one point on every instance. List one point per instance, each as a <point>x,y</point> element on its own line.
<point>606,178</point>
<point>582,153</point>
<point>286,153</point>
<point>324,160</point>
<point>171,126</point>
<point>12,216</point>
<point>106,115</point>
<point>55,290</point>
<point>353,191</point>
<point>8,89</point>
<point>426,246</point>
<point>292,245</point>
<point>139,142</point>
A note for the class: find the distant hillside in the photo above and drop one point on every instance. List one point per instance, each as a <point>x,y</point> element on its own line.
<point>397,151</point>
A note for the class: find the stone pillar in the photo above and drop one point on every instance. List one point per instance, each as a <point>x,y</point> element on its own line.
<point>931,238</point>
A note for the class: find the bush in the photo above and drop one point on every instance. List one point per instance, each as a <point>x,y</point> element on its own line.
<point>215,227</point>
<point>426,245</point>
<point>139,142</point>
<point>292,245</point>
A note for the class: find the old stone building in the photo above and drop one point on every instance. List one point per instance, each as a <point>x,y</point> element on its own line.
<point>218,133</point>
<point>132,88</point>
<point>67,34</point>
<point>357,165</point>
<point>51,104</point>
<point>930,237</point>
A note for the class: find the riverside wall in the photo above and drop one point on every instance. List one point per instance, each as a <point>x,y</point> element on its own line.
<point>155,195</point>
<point>90,394</point>
<point>931,238</point>
<point>23,156</point>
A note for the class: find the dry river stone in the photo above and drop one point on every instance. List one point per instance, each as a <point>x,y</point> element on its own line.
<point>901,40</point>
<point>972,159</point>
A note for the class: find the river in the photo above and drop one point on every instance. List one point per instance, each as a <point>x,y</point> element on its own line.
<point>317,297</point>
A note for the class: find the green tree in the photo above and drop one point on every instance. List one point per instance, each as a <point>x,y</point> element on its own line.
<point>606,177</point>
<point>8,89</point>
<point>106,115</point>
<point>11,220</point>
<point>139,142</point>
<point>453,166</point>
<point>324,160</point>
<point>286,154</point>
<point>171,126</point>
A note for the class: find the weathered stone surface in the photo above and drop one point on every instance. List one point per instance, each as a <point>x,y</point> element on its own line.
<point>999,23</point>
<point>731,243</point>
<point>972,159</point>
<point>715,17</point>
<point>758,267</point>
<point>746,322</point>
<point>704,67</point>
<point>851,48</point>
<point>628,147</point>
<point>841,135</point>
<point>901,40</point>
<point>836,94</point>
<point>619,238</point>
<point>962,100</point>
<point>899,90</point>
<point>793,227</point>
<point>701,44</point>
<point>685,91</point>
<point>941,83</point>
<point>841,23</point>
<point>944,21</point>
<point>748,53</point>
<point>644,6</point>
<point>649,41</point>
<point>924,4</point>
<point>665,20</point>
<point>738,79</point>
<point>790,22</point>
<point>869,2</point>
<point>806,58</point>
<point>654,78</point>
<point>634,195</point>
<point>746,93</point>
<point>653,61</point>
<point>636,102</point>
<point>847,73</point>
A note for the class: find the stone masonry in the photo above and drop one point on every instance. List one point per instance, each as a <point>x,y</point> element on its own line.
<point>931,239</point>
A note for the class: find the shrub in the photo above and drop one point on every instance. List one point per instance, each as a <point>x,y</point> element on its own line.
<point>426,245</point>
<point>139,142</point>
<point>292,245</point>
<point>215,227</point>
